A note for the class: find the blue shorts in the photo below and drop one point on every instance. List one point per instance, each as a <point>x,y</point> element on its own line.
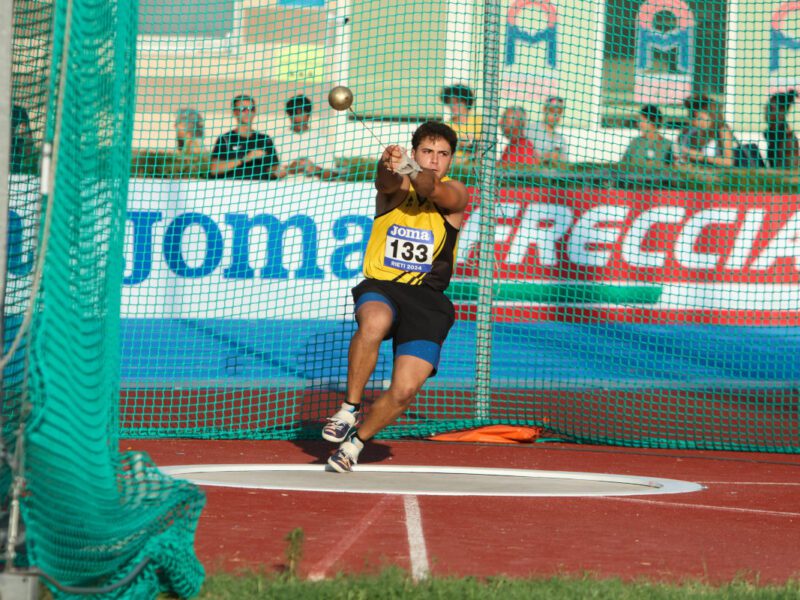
<point>422,316</point>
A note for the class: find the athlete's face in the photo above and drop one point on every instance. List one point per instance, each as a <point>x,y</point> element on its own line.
<point>434,153</point>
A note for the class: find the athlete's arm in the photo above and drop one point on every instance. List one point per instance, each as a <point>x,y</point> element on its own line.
<point>450,195</point>
<point>392,187</point>
<point>386,180</point>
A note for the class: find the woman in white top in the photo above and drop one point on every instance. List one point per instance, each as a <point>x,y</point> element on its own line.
<point>709,141</point>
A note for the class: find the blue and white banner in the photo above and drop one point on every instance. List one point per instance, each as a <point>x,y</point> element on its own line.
<point>242,250</point>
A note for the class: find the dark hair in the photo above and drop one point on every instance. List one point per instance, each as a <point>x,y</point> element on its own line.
<point>242,98</point>
<point>652,114</point>
<point>697,102</point>
<point>298,104</point>
<point>434,129</point>
<point>783,100</point>
<point>459,92</point>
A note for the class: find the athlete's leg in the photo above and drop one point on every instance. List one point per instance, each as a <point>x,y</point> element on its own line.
<point>424,319</point>
<point>374,322</point>
<point>408,377</point>
<point>374,318</point>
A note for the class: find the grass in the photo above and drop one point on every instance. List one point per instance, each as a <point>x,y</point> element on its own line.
<point>395,584</point>
<point>392,583</point>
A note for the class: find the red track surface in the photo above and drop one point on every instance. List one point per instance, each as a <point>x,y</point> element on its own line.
<point>745,525</point>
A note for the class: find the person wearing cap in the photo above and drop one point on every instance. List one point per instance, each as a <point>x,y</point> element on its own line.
<point>544,135</point>
<point>460,100</point>
<point>303,149</point>
<point>23,151</point>
<point>783,150</point>
<point>650,150</point>
<point>708,141</point>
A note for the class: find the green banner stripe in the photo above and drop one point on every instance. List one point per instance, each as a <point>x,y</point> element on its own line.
<point>558,293</point>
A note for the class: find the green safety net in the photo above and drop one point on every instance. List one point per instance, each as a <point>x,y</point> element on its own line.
<point>97,523</point>
<point>628,270</point>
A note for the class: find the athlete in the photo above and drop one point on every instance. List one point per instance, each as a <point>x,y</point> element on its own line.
<point>407,267</point>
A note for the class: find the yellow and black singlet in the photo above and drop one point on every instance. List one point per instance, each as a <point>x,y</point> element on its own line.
<point>412,243</point>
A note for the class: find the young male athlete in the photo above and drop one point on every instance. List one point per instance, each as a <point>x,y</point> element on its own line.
<point>407,266</point>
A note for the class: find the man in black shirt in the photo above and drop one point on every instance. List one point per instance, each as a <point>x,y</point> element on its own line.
<point>244,153</point>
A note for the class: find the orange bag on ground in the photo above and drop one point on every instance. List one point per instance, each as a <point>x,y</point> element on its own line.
<point>499,434</point>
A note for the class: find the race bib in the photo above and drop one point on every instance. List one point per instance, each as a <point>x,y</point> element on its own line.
<point>409,249</point>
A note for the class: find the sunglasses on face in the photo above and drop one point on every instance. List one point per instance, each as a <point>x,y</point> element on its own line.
<point>245,109</point>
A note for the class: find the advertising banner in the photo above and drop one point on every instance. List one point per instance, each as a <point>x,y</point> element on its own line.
<point>784,47</point>
<point>763,58</point>
<point>531,52</point>
<point>665,47</point>
<point>289,249</point>
<point>249,282</point>
<point>547,47</point>
<point>659,256</point>
<point>293,250</point>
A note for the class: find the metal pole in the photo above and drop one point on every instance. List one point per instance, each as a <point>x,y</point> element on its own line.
<point>6,52</point>
<point>488,191</point>
<point>6,106</point>
<point>6,102</point>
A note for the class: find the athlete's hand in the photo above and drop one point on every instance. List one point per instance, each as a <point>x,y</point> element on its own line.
<point>392,157</point>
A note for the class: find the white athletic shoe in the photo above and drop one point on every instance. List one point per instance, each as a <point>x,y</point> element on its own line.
<point>340,425</point>
<point>344,458</point>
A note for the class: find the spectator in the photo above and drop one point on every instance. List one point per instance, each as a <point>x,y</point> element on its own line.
<point>520,151</point>
<point>191,159</point>
<point>189,131</point>
<point>243,152</point>
<point>460,99</point>
<point>708,141</point>
<point>23,152</point>
<point>650,150</point>
<point>303,149</point>
<point>783,150</point>
<point>545,137</point>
